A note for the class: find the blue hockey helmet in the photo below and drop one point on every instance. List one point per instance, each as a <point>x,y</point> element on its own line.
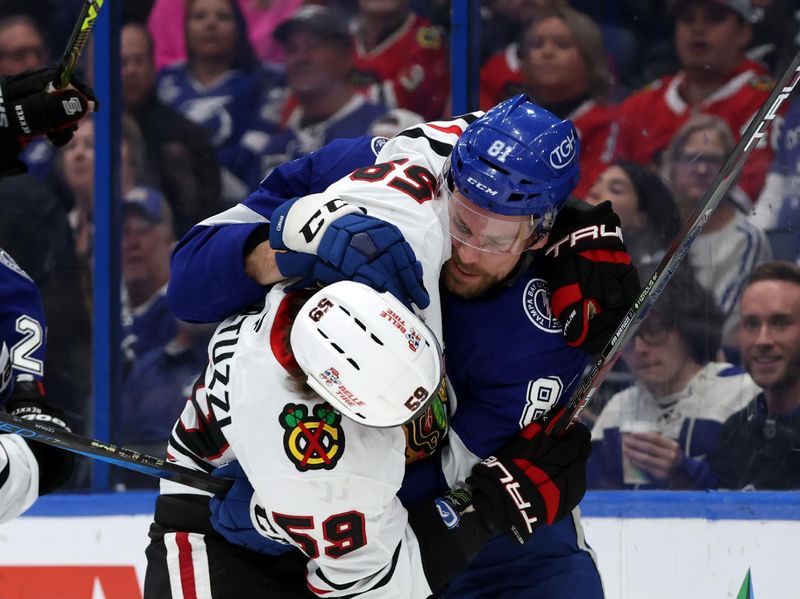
<point>518,159</point>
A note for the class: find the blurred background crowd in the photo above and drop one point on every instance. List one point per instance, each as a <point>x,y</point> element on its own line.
<point>216,93</point>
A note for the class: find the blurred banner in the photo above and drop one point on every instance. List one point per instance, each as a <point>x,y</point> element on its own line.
<point>653,552</point>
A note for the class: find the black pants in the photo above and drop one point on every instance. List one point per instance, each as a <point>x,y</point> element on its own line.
<point>186,559</point>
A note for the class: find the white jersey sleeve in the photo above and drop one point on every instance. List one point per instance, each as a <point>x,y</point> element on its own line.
<point>19,477</point>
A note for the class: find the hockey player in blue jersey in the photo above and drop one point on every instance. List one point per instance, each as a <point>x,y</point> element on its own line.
<point>508,359</point>
<point>28,470</point>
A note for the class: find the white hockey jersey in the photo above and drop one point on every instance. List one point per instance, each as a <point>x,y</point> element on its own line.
<point>19,477</point>
<point>328,484</point>
<point>692,416</point>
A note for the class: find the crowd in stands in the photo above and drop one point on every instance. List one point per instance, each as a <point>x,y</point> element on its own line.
<point>216,93</point>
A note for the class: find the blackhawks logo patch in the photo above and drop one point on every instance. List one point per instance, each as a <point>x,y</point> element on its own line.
<point>429,38</point>
<point>763,83</point>
<point>312,441</point>
<point>424,434</point>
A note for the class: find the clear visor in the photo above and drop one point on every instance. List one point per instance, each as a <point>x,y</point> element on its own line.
<point>487,231</point>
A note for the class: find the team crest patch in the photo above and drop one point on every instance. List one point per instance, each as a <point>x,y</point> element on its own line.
<point>377,144</point>
<point>424,434</point>
<point>536,300</point>
<point>763,83</point>
<point>429,38</point>
<point>312,441</point>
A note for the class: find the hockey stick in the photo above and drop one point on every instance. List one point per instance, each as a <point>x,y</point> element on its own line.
<point>680,246</point>
<point>119,456</point>
<point>80,34</point>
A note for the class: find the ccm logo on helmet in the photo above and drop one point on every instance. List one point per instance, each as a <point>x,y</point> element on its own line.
<point>562,154</point>
<point>472,181</point>
<point>590,232</point>
<point>512,488</point>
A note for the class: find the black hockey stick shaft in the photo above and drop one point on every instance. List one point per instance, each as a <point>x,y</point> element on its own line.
<point>119,456</point>
<point>680,246</point>
<point>78,39</point>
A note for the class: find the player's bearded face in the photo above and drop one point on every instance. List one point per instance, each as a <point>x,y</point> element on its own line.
<point>471,273</point>
<point>485,247</point>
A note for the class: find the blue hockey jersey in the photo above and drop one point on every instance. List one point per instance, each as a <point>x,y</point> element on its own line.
<point>22,323</point>
<point>225,108</point>
<point>296,138</point>
<point>778,208</point>
<point>505,370</point>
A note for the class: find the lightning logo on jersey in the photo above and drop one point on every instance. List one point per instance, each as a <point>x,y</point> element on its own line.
<point>312,441</point>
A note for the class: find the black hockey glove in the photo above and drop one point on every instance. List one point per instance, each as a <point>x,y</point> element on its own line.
<point>27,110</point>
<point>592,280</point>
<point>533,481</point>
<point>55,465</point>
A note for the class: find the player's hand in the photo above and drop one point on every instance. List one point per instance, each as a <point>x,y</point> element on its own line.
<point>533,481</point>
<point>31,110</point>
<point>592,280</point>
<point>55,465</point>
<point>34,110</point>
<point>334,241</point>
<point>231,513</point>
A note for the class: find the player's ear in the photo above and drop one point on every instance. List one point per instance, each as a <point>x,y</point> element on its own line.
<point>541,242</point>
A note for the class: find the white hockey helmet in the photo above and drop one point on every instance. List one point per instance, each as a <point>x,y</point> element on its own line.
<point>366,354</point>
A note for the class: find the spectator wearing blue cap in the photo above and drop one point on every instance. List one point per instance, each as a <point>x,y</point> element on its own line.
<point>147,240</point>
<point>163,356</point>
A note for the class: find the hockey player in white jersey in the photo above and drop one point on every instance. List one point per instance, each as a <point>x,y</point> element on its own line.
<point>328,482</point>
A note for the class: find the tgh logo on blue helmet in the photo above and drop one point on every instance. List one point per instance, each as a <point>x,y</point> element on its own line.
<point>518,159</point>
<point>564,154</point>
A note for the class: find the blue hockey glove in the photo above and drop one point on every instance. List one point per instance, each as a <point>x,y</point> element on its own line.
<point>230,514</point>
<point>329,240</point>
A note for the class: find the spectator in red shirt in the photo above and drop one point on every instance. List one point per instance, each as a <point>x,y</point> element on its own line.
<point>501,75</point>
<point>402,57</point>
<point>716,78</point>
<point>564,69</point>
